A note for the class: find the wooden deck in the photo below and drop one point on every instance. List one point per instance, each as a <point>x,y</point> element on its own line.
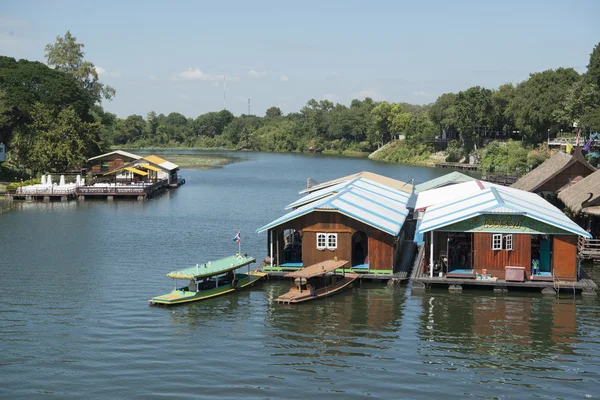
<point>501,179</point>
<point>588,249</point>
<point>422,280</point>
<point>460,166</point>
<point>123,191</point>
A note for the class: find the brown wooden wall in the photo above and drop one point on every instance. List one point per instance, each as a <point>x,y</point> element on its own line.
<point>114,161</point>
<point>496,260</point>
<point>563,178</point>
<point>564,257</point>
<point>381,244</point>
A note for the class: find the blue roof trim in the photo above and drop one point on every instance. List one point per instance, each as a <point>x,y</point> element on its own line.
<point>381,228</point>
<point>378,203</point>
<point>382,186</point>
<point>388,219</point>
<point>497,195</point>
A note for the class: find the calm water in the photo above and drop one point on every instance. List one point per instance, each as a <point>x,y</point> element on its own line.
<point>74,321</point>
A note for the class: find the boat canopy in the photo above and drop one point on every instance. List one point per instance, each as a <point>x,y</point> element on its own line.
<point>212,268</point>
<point>317,269</point>
<point>150,167</point>
<point>130,169</point>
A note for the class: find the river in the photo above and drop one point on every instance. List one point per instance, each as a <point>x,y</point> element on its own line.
<point>74,318</point>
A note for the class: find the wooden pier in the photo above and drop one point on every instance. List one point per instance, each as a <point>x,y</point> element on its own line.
<point>501,179</point>
<point>122,191</point>
<point>46,194</point>
<point>422,280</point>
<point>455,165</point>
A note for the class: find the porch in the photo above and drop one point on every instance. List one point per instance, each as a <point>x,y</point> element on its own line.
<point>588,249</point>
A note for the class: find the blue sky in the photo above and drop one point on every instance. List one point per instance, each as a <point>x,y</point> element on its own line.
<point>172,56</point>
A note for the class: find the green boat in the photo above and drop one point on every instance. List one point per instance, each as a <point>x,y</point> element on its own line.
<point>211,279</point>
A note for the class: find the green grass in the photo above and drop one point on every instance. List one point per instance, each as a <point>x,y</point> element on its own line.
<point>199,161</point>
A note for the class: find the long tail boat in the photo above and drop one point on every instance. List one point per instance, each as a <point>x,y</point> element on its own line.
<point>211,279</point>
<point>317,281</point>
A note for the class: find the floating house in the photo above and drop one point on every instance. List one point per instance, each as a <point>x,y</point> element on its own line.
<point>498,235</point>
<point>582,199</point>
<point>149,169</point>
<point>556,173</point>
<point>104,163</point>
<point>359,218</point>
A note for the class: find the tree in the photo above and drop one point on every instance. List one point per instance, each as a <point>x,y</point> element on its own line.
<point>443,112</point>
<point>536,100</point>
<point>55,140</point>
<point>66,55</point>
<point>273,112</point>
<point>26,83</point>
<point>474,110</point>
<point>593,68</point>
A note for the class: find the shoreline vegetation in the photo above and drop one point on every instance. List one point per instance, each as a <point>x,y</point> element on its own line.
<point>52,120</point>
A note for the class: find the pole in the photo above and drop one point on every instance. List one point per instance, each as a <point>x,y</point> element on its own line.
<point>248,106</point>
<point>271,247</point>
<point>431,255</point>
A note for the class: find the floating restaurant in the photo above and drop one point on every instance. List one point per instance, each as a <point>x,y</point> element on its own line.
<point>478,233</point>
<point>359,218</point>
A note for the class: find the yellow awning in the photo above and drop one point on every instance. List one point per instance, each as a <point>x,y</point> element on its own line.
<point>155,159</point>
<point>136,171</point>
<point>150,167</point>
<point>114,171</point>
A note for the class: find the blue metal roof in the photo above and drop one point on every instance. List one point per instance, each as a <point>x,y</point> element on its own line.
<point>496,200</point>
<point>366,201</point>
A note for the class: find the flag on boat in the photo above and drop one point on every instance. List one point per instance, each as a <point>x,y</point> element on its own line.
<point>237,238</point>
<point>578,140</point>
<point>587,146</point>
<point>569,148</point>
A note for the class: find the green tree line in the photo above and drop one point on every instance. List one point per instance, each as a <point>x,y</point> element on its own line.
<point>51,117</point>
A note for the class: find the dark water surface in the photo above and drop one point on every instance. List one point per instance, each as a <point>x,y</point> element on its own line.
<point>74,321</point>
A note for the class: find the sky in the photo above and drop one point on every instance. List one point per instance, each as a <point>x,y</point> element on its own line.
<point>175,56</point>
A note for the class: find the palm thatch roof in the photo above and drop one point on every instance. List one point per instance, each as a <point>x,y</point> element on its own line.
<point>584,196</point>
<point>549,169</point>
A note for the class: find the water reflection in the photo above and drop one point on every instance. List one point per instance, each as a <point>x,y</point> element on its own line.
<point>521,330</point>
<point>361,322</point>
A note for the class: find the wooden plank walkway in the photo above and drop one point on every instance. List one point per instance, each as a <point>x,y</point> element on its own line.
<point>422,279</point>
<point>461,166</point>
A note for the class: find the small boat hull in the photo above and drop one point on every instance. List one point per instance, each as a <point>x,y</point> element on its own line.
<point>183,296</point>
<point>295,296</point>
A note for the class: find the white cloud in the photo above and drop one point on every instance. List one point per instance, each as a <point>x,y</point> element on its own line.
<point>115,74</point>
<point>256,74</point>
<point>153,78</point>
<point>331,97</point>
<point>368,93</point>
<point>424,94</point>
<point>100,70</point>
<point>196,74</point>
<point>283,78</point>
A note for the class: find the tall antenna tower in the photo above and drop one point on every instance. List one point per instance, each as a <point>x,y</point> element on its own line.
<point>248,105</point>
<point>224,94</point>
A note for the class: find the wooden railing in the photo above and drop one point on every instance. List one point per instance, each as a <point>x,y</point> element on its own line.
<point>588,248</point>
<point>120,189</point>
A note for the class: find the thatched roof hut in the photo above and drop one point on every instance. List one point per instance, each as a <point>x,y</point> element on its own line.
<point>555,173</point>
<point>584,196</point>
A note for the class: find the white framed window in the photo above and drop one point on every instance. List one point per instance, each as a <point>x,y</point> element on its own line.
<point>497,241</point>
<point>508,242</point>
<point>321,241</point>
<point>332,241</point>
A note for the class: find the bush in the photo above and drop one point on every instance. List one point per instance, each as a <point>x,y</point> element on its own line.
<point>14,186</point>
<point>453,152</point>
